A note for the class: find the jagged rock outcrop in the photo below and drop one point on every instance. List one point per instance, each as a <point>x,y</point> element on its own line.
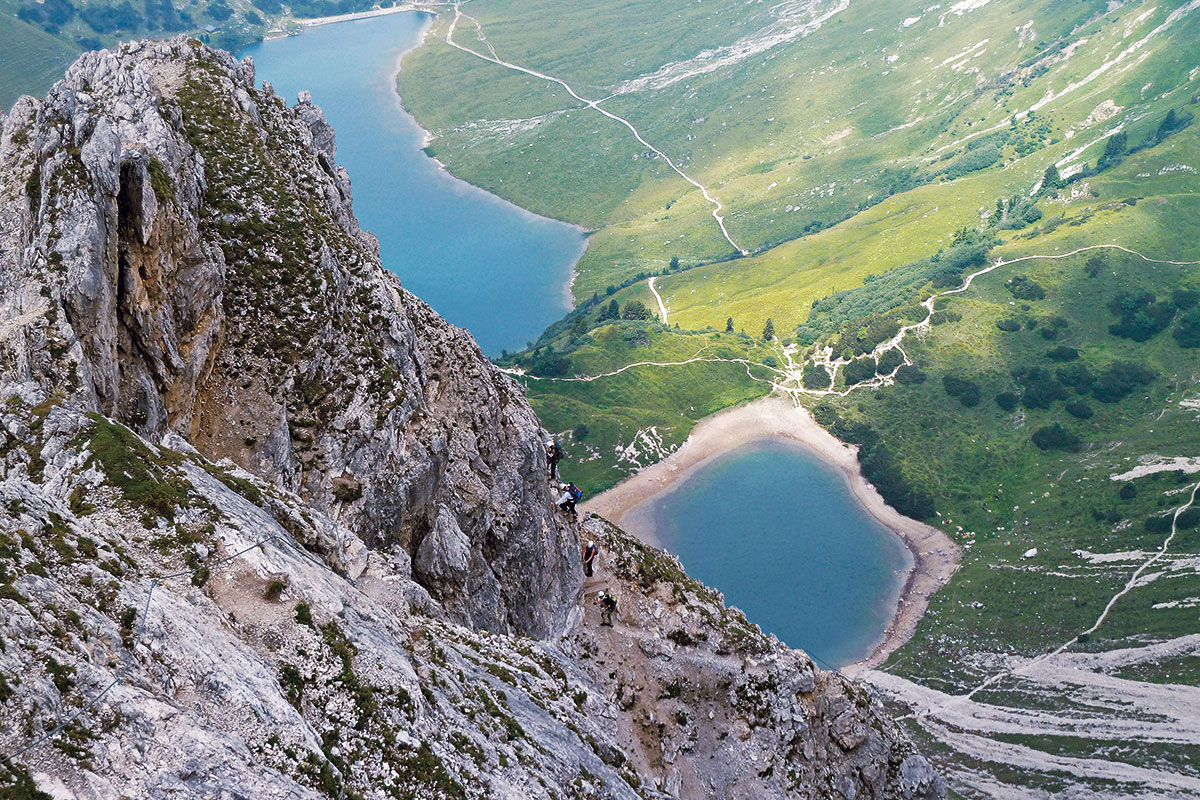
<point>188,246</point>
<point>272,528</point>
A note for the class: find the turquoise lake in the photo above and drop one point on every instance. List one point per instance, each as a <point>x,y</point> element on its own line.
<point>482,263</point>
<point>780,533</point>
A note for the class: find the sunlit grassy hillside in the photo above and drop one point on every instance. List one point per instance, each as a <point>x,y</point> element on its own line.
<point>871,156</point>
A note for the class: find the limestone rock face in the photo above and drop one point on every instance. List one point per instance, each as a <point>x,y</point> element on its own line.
<point>271,528</point>
<point>187,246</point>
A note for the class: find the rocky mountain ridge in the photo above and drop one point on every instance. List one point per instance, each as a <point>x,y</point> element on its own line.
<point>296,528</point>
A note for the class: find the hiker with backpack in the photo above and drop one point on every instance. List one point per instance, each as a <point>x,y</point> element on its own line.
<point>554,454</point>
<point>589,557</point>
<point>571,494</point>
<point>608,607</point>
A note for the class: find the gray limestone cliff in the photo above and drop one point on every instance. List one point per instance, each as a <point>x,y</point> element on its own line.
<point>293,529</point>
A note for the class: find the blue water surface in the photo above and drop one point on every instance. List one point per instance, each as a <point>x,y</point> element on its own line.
<point>481,262</point>
<point>780,533</point>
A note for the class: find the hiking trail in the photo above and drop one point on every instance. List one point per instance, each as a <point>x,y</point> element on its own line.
<point>494,58</point>
<point>662,307</point>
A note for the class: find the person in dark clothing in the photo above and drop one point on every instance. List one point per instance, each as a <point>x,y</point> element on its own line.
<point>608,607</point>
<point>554,454</point>
<point>589,557</point>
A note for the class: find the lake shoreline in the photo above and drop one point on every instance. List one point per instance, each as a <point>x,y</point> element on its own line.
<point>427,138</point>
<point>935,556</point>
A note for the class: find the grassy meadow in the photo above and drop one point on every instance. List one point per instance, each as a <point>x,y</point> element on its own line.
<point>33,60</point>
<point>866,164</point>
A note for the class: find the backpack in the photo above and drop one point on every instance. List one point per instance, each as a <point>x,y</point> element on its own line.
<point>576,492</point>
<point>556,452</point>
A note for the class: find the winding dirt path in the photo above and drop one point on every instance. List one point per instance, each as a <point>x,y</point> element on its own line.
<point>662,307</point>
<point>491,56</point>
<point>1129,585</point>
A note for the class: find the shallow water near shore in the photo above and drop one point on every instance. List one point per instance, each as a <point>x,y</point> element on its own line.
<point>780,533</point>
<point>481,262</point>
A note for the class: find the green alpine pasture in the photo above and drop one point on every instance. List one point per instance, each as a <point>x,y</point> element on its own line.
<point>33,60</point>
<point>868,158</point>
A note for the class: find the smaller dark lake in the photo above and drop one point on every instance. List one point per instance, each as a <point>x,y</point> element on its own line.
<point>779,531</point>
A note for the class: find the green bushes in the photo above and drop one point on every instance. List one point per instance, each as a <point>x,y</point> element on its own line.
<point>1008,325</point>
<point>1183,299</point>
<point>1055,437</point>
<point>635,309</point>
<point>967,391</point>
<point>910,374</point>
<point>1040,388</point>
<point>888,293</point>
<point>1114,151</point>
<point>1119,379</point>
<point>1078,377</point>
<point>1141,315</point>
<point>971,161</point>
<point>878,464</point>
<point>859,370</point>
<point>1079,409</point>
<point>889,360</point>
<point>1062,354</point>
<point>1007,400</point>
<point>816,377</point>
<point>1187,329</point>
<point>1023,287</point>
<point>545,363</point>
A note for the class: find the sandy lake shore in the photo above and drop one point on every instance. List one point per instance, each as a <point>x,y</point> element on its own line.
<point>935,556</point>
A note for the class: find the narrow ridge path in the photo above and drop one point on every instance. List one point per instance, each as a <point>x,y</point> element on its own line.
<point>718,207</point>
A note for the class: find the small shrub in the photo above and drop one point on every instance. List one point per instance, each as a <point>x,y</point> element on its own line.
<point>1187,329</point>
<point>1023,287</point>
<point>859,370</point>
<point>1007,400</point>
<point>682,638</point>
<point>967,391</point>
<point>942,317</point>
<point>1079,409</point>
<point>1055,437</point>
<point>635,309</point>
<point>304,614</point>
<point>889,360</point>
<point>910,374</point>
<point>1141,315</point>
<point>1040,388</point>
<point>1159,524</point>
<point>1183,299</point>
<point>1128,491</point>
<point>274,589</point>
<point>1062,353</point>
<point>1078,377</point>
<point>1008,325</point>
<point>816,377</point>
<point>1119,379</point>
<point>1188,519</point>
